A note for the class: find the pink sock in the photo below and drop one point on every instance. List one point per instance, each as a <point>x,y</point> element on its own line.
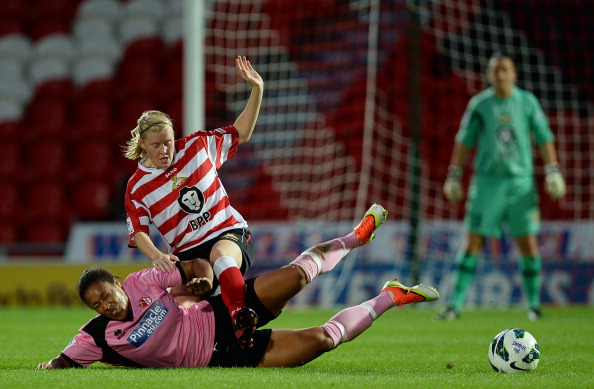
<point>347,324</point>
<point>322,258</point>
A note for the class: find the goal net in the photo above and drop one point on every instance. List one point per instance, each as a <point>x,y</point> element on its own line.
<point>336,131</point>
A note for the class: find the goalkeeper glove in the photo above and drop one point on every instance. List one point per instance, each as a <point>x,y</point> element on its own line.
<point>452,188</point>
<point>554,182</point>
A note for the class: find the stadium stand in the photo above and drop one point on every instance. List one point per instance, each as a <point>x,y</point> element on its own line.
<point>85,69</point>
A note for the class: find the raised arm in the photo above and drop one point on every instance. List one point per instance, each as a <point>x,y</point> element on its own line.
<point>246,121</point>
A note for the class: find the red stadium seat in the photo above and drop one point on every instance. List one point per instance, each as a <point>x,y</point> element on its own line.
<point>10,206</point>
<point>50,17</point>
<point>45,232</point>
<point>145,47</point>
<point>94,159</point>
<point>175,49</point>
<point>14,9</point>
<point>47,159</point>
<point>12,129</point>
<point>44,196</point>
<point>8,233</point>
<point>10,26</point>
<point>48,119</point>
<point>93,118</point>
<point>91,200</point>
<point>126,167</point>
<point>174,108</point>
<point>129,110</point>
<point>173,75</point>
<point>97,89</point>
<point>11,170</point>
<point>55,89</point>
<point>46,200</point>
<point>42,26</point>
<point>138,77</point>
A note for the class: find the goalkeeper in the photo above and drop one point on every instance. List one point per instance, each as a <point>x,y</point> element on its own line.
<point>500,122</point>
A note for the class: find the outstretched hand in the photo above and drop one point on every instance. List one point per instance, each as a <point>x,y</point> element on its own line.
<point>199,286</point>
<point>452,188</point>
<point>245,70</point>
<point>165,262</point>
<point>44,366</point>
<point>554,182</point>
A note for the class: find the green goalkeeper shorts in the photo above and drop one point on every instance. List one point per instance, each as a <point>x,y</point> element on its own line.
<point>494,202</point>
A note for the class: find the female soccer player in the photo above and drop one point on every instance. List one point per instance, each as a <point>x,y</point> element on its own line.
<point>140,325</point>
<point>176,187</point>
<point>501,122</point>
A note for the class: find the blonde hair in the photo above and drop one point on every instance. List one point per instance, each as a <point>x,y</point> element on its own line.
<point>149,122</point>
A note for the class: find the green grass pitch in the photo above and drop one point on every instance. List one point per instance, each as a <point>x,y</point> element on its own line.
<point>404,348</point>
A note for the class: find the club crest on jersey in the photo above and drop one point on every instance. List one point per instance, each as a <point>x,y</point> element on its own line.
<point>191,200</point>
<point>144,302</point>
<point>178,181</point>
<point>506,136</point>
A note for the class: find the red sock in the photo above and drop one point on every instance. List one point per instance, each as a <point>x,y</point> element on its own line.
<point>231,281</point>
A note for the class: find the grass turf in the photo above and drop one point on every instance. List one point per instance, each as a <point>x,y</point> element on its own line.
<point>403,347</point>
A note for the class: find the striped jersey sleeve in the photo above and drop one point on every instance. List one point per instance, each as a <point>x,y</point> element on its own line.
<point>186,202</point>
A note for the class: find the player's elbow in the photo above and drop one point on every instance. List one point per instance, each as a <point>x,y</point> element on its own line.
<point>245,127</point>
<point>244,138</point>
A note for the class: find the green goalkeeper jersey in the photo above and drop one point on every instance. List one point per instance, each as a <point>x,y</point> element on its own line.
<point>502,131</point>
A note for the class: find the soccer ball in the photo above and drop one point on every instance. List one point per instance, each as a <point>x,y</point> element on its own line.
<point>514,350</point>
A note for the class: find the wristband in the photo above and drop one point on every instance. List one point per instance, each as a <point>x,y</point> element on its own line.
<point>551,168</point>
<point>454,172</point>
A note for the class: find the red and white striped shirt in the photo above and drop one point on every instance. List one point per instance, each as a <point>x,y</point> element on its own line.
<point>187,201</point>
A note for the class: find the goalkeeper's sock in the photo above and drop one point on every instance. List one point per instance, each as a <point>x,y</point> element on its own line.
<point>531,268</point>
<point>322,258</point>
<point>349,323</point>
<point>463,276</point>
<point>231,281</point>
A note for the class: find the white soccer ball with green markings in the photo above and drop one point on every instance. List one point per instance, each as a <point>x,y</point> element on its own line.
<point>514,350</point>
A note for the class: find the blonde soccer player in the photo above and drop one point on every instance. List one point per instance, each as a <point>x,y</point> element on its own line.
<point>176,188</point>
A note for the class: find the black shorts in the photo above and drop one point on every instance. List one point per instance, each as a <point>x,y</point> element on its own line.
<point>241,236</point>
<point>227,351</point>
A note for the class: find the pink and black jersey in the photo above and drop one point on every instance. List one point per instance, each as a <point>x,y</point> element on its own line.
<point>187,201</point>
<point>160,332</point>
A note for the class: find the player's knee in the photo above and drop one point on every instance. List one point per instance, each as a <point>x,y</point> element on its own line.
<point>316,340</point>
<point>299,275</point>
<point>323,340</point>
